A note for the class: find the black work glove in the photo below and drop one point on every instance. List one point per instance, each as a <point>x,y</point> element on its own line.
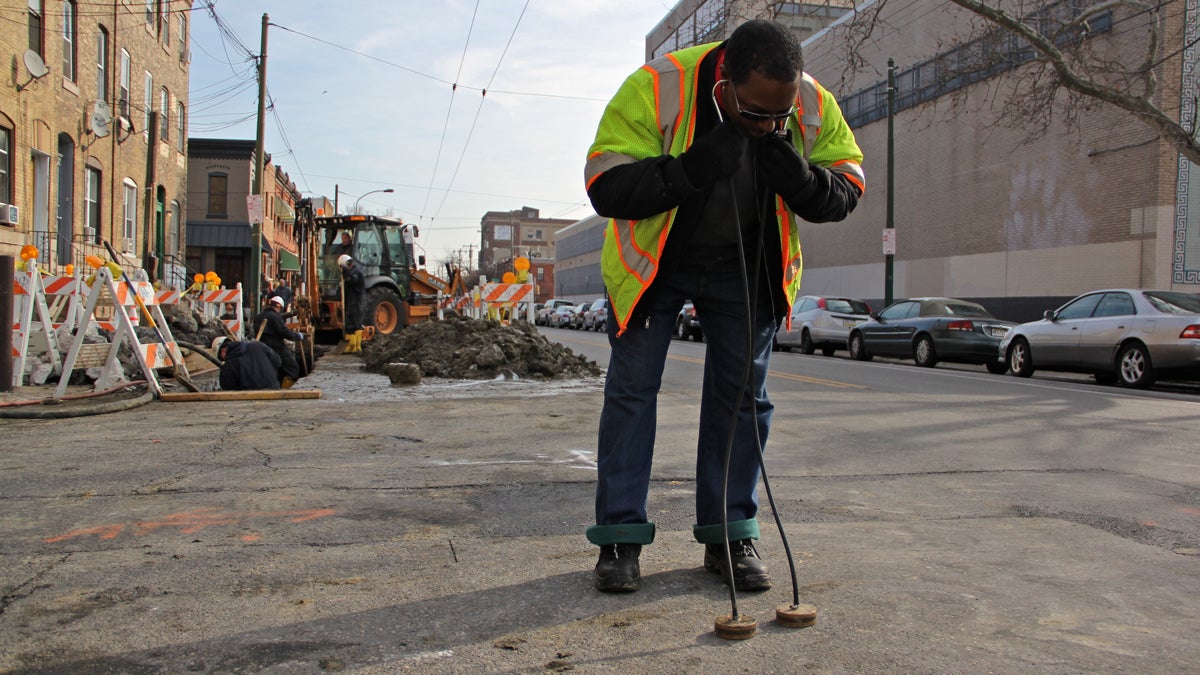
<point>784,169</point>
<point>714,156</point>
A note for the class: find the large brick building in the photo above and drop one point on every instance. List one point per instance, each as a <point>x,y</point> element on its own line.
<point>93,130</point>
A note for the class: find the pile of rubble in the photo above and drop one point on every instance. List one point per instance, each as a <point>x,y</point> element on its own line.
<point>477,349</point>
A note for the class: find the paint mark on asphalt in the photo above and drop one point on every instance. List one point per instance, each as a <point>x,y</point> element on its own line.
<point>190,522</point>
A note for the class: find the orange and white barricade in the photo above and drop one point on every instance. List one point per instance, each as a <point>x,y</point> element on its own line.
<point>215,303</point>
<point>149,356</point>
<point>33,328</point>
<point>499,300</point>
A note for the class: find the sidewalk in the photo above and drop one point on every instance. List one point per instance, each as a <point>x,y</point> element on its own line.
<point>440,529</point>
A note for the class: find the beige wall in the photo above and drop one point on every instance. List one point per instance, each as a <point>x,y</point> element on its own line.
<point>53,105</point>
<point>982,208</point>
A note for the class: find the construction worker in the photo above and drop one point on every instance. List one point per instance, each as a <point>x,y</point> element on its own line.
<point>270,329</point>
<point>354,286</point>
<point>247,365</point>
<point>704,160</point>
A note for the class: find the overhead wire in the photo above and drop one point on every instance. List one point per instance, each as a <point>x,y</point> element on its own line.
<point>479,109</point>
<point>449,110</point>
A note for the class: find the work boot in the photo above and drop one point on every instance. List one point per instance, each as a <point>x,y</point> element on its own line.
<point>618,570</point>
<point>349,338</point>
<point>358,342</point>
<point>749,571</point>
<point>287,383</point>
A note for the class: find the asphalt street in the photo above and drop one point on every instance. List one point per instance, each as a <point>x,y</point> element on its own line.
<point>970,527</point>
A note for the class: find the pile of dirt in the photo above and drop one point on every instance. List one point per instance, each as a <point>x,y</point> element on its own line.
<point>477,349</point>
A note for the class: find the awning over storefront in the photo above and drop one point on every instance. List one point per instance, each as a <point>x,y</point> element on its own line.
<point>288,261</point>
<point>283,211</point>
<point>221,235</point>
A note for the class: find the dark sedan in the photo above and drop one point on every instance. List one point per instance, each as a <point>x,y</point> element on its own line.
<point>931,330</point>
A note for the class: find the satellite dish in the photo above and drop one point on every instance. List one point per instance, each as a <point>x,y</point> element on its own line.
<point>35,64</point>
<point>101,119</point>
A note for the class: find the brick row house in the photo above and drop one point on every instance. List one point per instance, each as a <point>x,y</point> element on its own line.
<point>93,131</point>
<point>219,231</point>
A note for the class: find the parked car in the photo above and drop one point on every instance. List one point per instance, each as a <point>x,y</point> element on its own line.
<point>1126,336</point>
<point>821,323</point>
<point>596,317</point>
<point>931,330</point>
<point>560,316</point>
<point>543,315</point>
<point>687,324</point>
<point>576,321</point>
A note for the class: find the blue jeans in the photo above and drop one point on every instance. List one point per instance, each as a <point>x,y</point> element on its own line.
<point>629,418</point>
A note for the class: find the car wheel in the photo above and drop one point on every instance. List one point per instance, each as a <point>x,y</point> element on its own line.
<point>924,353</point>
<point>828,350</point>
<point>1133,366</point>
<point>1020,360</point>
<point>858,350</point>
<point>806,343</point>
<point>996,367</point>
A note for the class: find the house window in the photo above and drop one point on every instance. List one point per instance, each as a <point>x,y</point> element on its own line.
<point>218,189</point>
<point>35,26</point>
<point>173,229</point>
<point>164,111</point>
<point>91,211</point>
<point>5,165</point>
<point>148,100</point>
<point>180,127</point>
<point>150,12</point>
<point>126,85</point>
<point>102,65</point>
<point>182,17</point>
<point>129,216</point>
<point>68,34</point>
<point>165,22</point>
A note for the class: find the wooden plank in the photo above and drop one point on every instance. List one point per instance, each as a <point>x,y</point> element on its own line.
<point>250,395</point>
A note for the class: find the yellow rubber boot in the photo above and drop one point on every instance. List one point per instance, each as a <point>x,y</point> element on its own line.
<point>287,383</point>
<point>349,348</point>
<point>358,337</point>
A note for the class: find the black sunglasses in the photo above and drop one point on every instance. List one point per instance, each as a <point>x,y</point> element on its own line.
<point>757,116</point>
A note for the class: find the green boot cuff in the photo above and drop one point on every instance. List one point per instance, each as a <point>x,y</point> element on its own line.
<point>626,533</point>
<point>714,534</point>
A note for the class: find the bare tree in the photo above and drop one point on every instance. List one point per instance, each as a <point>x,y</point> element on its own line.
<point>1062,61</point>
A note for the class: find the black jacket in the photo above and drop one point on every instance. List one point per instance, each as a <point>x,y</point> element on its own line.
<point>250,365</point>
<point>275,331</point>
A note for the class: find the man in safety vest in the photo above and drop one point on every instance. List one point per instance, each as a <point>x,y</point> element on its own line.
<point>704,160</point>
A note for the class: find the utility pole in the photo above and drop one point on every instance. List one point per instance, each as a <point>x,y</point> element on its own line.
<point>257,188</point>
<point>890,233</point>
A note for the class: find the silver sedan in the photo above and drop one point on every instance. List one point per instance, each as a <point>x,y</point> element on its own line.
<point>1121,335</point>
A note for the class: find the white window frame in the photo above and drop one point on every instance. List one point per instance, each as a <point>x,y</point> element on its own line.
<point>124,101</point>
<point>180,126</point>
<point>164,109</point>
<point>70,35</point>
<point>102,63</point>
<point>91,198</point>
<point>129,216</point>
<point>149,102</point>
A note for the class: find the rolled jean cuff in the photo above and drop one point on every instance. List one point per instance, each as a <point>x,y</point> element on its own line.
<point>625,533</point>
<point>715,534</point>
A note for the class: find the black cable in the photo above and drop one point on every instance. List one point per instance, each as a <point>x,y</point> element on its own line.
<point>751,306</point>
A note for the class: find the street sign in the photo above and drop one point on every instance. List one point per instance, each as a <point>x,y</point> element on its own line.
<point>889,241</point>
<point>254,205</point>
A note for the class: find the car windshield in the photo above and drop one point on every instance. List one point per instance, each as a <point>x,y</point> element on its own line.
<point>846,305</point>
<point>1170,302</point>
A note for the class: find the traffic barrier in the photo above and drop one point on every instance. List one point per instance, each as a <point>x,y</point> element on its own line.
<point>499,300</point>
<point>149,356</point>
<point>29,290</point>
<point>214,303</point>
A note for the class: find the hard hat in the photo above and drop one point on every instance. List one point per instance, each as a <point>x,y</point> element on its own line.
<point>278,301</point>
<point>218,343</point>
<point>343,259</point>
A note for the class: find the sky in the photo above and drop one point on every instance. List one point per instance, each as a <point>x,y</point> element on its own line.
<point>362,98</point>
